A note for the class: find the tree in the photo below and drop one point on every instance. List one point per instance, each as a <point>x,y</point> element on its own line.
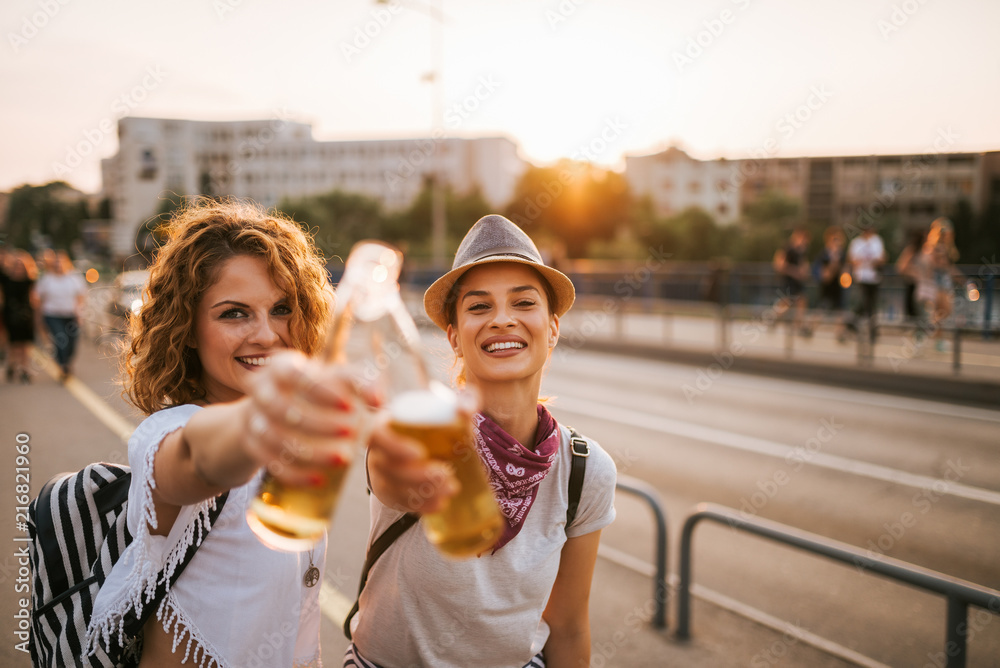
<point>575,202</point>
<point>690,235</point>
<point>46,215</point>
<point>337,220</point>
<point>411,229</point>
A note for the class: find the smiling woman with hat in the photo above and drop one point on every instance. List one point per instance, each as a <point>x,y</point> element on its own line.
<point>525,603</point>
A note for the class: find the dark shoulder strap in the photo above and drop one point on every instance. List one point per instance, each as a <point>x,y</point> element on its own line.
<point>378,548</point>
<point>134,624</point>
<point>581,450</point>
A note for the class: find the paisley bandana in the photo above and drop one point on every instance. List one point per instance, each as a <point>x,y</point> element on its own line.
<point>514,470</point>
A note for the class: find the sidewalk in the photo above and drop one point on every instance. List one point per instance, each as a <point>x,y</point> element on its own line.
<point>898,365</point>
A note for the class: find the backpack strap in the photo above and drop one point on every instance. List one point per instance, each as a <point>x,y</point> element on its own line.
<point>578,468</point>
<point>381,544</point>
<point>133,625</point>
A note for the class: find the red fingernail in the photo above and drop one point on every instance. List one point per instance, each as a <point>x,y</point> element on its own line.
<point>344,432</point>
<point>316,480</point>
<point>337,460</point>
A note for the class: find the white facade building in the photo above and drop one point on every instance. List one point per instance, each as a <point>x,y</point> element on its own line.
<point>675,181</point>
<point>269,160</point>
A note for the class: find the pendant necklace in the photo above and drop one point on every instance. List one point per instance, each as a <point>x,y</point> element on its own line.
<point>311,576</point>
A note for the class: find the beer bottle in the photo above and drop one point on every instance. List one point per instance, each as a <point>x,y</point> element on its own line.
<point>292,518</point>
<point>426,410</point>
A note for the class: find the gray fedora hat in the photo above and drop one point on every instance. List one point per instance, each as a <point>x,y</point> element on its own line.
<point>495,239</point>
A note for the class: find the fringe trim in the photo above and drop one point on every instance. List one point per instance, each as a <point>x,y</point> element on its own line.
<point>143,579</point>
<point>314,662</point>
<point>172,617</point>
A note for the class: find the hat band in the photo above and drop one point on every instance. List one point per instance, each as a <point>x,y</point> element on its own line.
<point>493,252</point>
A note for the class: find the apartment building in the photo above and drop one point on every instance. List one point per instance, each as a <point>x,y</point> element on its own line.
<point>268,160</point>
<point>852,191</point>
<point>675,181</point>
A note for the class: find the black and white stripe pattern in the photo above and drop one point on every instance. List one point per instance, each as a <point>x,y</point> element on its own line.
<point>78,531</point>
<point>354,660</point>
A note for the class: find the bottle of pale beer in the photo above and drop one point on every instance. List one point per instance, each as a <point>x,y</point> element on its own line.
<point>426,410</point>
<point>292,518</point>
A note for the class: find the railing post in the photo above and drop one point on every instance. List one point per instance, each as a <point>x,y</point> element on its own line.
<point>956,358</point>
<point>647,493</point>
<point>987,306</point>
<point>684,580</point>
<point>955,646</point>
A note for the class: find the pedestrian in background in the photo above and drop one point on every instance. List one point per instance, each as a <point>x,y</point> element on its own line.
<point>936,274</point>
<point>831,264</point>
<point>20,303</point>
<point>526,603</point>
<point>866,256</point>
<point>792,264</point>
<point>237,297</point>
<point>907,269</point>
<point>61,295</point>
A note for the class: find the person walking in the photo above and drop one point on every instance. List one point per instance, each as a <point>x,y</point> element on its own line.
<point>866,256</point>
<point>831,264</point>
<point>792,264</point>
<point>526,601</point>
<point>61,295</point>
<point>936,275</point>
<point>20,304</point>
<point>237,300</point>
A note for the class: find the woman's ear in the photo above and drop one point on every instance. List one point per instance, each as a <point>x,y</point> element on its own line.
<point>553,331</point>
<point>456,345</point>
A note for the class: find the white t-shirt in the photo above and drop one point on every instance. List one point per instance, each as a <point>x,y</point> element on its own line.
<point>58,293</point>
<point>420,608</point>
<point>241,602</point>
<point>866,253</point>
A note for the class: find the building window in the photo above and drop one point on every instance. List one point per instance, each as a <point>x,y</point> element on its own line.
<point>694,187</point>
<point>147,165</point>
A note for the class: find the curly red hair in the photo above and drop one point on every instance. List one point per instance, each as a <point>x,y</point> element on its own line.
<point>160,368</point>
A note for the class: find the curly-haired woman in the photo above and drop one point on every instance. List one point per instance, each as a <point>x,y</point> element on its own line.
<point>232,291</point>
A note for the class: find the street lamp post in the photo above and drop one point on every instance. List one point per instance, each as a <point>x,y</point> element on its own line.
<point>439,223</point>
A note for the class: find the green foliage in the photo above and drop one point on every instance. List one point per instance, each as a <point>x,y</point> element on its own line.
<point>575,202</point>
<point>338,220</point>
<point>772,209</point>
<point>51,214</point>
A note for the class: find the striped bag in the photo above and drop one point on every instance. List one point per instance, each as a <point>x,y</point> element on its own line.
<point>77,526</point>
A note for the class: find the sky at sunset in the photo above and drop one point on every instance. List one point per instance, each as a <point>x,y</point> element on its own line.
<point>593,79</point>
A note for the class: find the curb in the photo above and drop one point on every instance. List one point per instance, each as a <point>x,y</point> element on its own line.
<point>969,392</point>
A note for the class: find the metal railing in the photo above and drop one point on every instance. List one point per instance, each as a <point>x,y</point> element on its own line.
<point>960,594</point>
<point>648,494</point>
